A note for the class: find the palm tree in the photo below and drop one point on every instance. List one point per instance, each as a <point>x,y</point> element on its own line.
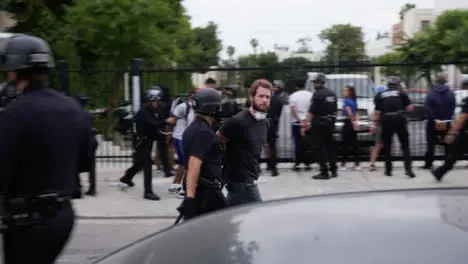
<point>254,44</point>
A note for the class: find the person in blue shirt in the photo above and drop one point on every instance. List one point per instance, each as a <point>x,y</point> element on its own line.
<point>350,127</point>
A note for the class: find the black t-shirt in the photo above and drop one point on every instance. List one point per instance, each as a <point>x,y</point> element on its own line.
<point>391,101</point>
<point>200,140</point>
<point>246,138</point>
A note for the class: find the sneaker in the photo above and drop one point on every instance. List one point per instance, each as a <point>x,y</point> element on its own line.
<point>357,168</point>
<point>178,190</point>
<point>372,168</point>
<point>343,168</point>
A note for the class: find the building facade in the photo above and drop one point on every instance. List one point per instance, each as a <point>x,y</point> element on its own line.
<point>415,20</point>
<point>379,47</point>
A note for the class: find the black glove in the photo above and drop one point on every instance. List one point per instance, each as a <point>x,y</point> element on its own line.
<point>188,208</point>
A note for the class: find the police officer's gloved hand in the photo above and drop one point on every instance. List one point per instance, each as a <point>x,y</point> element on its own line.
<point>188,208</point>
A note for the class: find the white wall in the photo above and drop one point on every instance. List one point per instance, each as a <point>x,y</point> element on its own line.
<point>375,48</point>
<point>413,18</point>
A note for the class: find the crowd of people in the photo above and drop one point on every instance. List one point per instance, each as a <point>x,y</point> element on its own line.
<point>47,139</point>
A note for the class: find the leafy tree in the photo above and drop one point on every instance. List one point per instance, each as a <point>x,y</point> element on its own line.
<point>267,60</point>
<point>207,47</point>
<point>300,66</point>
<point>118,31</point>
<point>345,43</point>
<point>407,73</point>
<point>450,31</point>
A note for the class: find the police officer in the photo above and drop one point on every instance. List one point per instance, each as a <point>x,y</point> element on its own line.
<point>389,108</point>
<point>201,146</point>
<point>274,113</point>
<point>148,125</point>
<point>457,137</point>
<point>321,119</point>
<point>44,141</point>
<point>229,106</point>
<point>83,101</point>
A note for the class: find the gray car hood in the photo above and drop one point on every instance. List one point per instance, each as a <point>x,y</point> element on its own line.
<point>428,226</point>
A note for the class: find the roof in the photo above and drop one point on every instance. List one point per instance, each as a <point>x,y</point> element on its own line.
<point>407,226</point>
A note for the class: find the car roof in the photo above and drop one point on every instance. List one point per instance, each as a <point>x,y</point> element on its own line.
<point>347,76</point>
<point>408,226</point>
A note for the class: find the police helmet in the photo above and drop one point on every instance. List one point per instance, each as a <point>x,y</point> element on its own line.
<point>81,99</point>
<point>21,52</point>
<point>393,81</point>
<point>278,84</point>
<point>207,101</point>
<point>153,94</point>
<point>319,78</point>
<point>350,85</point>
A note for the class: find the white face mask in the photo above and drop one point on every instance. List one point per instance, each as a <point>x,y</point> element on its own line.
<point>259,115</point>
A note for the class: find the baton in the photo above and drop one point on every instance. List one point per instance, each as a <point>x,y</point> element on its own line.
<point>177,220</point>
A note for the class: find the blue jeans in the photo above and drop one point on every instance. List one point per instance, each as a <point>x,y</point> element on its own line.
<point>299,145</point>
<point>242,193</point>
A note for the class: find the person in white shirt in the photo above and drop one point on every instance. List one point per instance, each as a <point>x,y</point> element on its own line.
<point>299,102</point>
<point>184,114</point>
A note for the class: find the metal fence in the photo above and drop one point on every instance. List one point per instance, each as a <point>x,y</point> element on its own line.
<point>111,91</point>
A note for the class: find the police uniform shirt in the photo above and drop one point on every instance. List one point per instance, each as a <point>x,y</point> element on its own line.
<point>148,123</point>
<point>276,107</point>
<point>199,140</point>
<point>391,101</point>
<point>324,103</point>
<point>44,142</point>
<point>246,137</point>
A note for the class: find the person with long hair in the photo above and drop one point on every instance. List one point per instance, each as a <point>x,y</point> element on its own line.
<point>350,127</point>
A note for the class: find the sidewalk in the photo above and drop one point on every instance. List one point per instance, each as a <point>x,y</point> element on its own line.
<point>112,202</point>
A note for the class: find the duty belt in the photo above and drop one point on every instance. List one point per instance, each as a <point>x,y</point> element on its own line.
<point>209,183</point>
<point>25,211</point>
<point>397,113</point>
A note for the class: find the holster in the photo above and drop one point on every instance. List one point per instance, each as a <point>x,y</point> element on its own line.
<point>27,211</point>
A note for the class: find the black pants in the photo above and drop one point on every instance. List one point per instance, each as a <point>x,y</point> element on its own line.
<point>299,145</point>
<point>163,153</point>
<point>209,199</point>
<point>91,173</point>
<point>326,147</point>
<point>271,140</point>
<point>41,243</point>
<point>433,137</point>
<point>142,160</point>
<point>390,126</point>
<point>455,152</point>
<point>350,143</point>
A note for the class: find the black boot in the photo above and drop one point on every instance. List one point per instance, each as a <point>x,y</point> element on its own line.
<point>151,196</point>
<point>321,176</point>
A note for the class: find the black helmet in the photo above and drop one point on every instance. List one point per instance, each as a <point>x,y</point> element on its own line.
<point>350,85</point>
<point>319,77</point>
<point>278,84</point>
<point>25,52</point>
<point>207,101</point>
<point>232,89</point>
<point>81,99</point>
<point>393,81</point>
<point>153,94</point>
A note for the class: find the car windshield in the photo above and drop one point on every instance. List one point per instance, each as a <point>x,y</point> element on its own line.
<point>364,87</point>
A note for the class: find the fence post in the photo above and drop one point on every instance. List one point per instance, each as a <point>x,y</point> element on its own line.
<point>64,73</point>
<point>136,66</point>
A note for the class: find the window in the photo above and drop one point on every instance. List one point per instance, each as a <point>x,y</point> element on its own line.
<point>424,24</point>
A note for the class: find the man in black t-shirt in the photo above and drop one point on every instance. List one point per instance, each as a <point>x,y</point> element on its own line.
<point>202,150</point>
<point>245,135</point>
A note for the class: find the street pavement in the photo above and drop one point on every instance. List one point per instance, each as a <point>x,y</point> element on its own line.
<point>116,218</point>
<point>112,202</point>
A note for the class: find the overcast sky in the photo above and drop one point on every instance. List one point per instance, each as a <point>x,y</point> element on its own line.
<point>284,21</point>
